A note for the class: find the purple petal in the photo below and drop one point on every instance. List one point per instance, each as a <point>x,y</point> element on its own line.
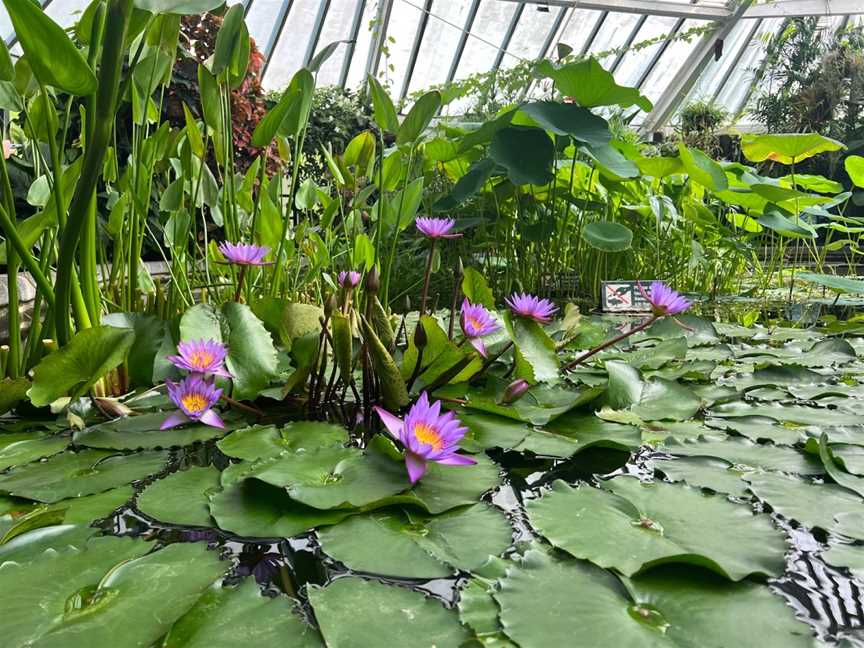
<point>177,418</point>
<point>456,460</point>
<point>393,424</point>
<point>477,343</point>
<point>212,419</point>
<point>416,467</point>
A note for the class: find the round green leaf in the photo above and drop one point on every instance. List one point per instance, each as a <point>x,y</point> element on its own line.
<point>607,236</point>
<point>840,284</point>
<point>655,524</point>
<point>137,432</point>
<point>787,148</point>
<point>526,153</point>
<point>182,497</point>
<point>855,168</point>
<point>569,119</point>
<point>355,613</point>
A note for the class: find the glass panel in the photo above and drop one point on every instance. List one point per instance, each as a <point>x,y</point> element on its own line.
<point>716,70</point>
<point>639,56</point>
<point>261,20</point>
<point>337,26</point>
<point>401,32</point>
<point>290,49</point>
<point>66,12</point>
<point>487,34</point>
<point>357,71</point>
<point>613,34</point>
<point>673,59</point>
<point>443,31</point>
<point>737,89</point>
<point>531,32</point>
<point>578,27</point>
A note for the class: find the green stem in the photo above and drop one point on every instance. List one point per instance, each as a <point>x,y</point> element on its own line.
<point>13,239</point>
<point>117,21</point>
<point>641,327</point>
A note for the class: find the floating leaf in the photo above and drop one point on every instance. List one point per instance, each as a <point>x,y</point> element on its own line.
<point>607,236</point>
<point>142,432</point>
<point>182,497</point>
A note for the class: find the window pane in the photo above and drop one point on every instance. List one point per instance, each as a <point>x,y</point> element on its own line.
<point>440,40</point>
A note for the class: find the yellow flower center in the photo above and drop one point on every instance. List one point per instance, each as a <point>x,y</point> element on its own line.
<point>201,359</point>
<point>194,403</point>
<point>427,434</point>
<point>474,322</point>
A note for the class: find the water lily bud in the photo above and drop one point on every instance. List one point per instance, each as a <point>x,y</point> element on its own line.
<point>407,304</point>
<point>420,338</point>
<point>373,281</point>
<point>460,269</point>
<point>515,391</point>
<point>330,305</point>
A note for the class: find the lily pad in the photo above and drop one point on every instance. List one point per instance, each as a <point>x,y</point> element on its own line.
<point>260,441</point>
<point>657,523</point>
<point>704,472</point>
<point>142,432</point>
<point>849,556</point>
<point>74,474</point>
<point>181,497</point>
<point>20,448</point>
<point>746,453</point>
<point>226,617</point>
<point>355,613</point>
<point>813,505</point>
<point>391,543</point>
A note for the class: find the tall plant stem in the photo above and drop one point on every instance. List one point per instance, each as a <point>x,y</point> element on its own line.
<point>427,277</point>
<point>240,278</point>
<point>14,239</point>
<point>391,258</point>
<point>609,343</point>
<point>117,22</point>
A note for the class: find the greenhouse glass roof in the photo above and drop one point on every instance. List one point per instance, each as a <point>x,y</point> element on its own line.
<point>673,50</point>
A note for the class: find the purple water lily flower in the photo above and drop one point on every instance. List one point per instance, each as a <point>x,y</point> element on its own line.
<point>428,435</point>
<point>664,300</point>
<point>349,279</point>
<point>201,356</point>
<point>437,227</point>
<point>245,254</point>
<point>525,305</point>
<point>515,391</point>
<point>476,322</point>
<point>195,397</point>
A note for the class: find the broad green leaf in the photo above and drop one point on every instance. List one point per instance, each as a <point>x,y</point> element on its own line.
<point>840,284</point>
<point>418,118</point>
<point>441,357</point>
<point>24,447</point>
<point>705,472</point>
<point>607,236</point>
<point>591,85</point>
<point>149,334</point>
<point>75,368</point>
<point>403,545</point>
<point>655,524</point>
<point>535,346</point>
<point>53,58</point>
<point>353,612</point>
<point>292,101</point>
<point>569,119</point>
<point>227,39</point>
<point>261,441</point>
<point>182,497</point>
<point>611,162</point>
<point>787,148</point>
<point>12,392</point>
<point>526,153</point>
<point>393,390</point>
<point>7,70</point>
<point>702,169</point>
<point>784,226</point>
<point>476,289</point>
<point>854,165</point>
<point>302,88</point>
<point>744,453</point>
<point>840,477</point>
<point>227,616</point>
<point>86,472</point>
<point>468,185</point>
<point>183,7</point>
<point>137,432</point>
<point>660,167</point>
<point>382,107</point>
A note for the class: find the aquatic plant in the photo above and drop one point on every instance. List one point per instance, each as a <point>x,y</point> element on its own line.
<point>201,356</point>
<point>195,396</point>
<point>476,321</point>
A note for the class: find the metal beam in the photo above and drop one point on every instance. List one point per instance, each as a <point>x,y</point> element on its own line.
<point>352,42</point>
<point>508,36</point>
<point>738,56</point>
<point>655,58</point>
<point>415,49</point>
<point>626,47</point>
<point>278,26</point>
<point>598,25</point>
<point>463,40</point>
<point>553,31</point>
<point>648,7</point>
<point>801,8</point>
<point>379,35</point>
<point>317,26</point>
<point>690,72</point>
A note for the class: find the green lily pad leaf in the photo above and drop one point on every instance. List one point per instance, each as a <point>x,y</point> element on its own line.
<point>36,593</point>
<point>149,334</point>
<point>181,497</point>
<point>787,148</point>
<point>75,368</point>
<point>74,474</point>
<point>776,221</point>
<point>813,505</point>
<point>745,453</point>
<point>12,392</point>
<point>569,119</point>
<point>702,169</point>
<point>849,556</point>
<point>445,487</point>
<point>251,354</point>
<point>29,546</point>
<point>844,479</point>
<point>23,447</point>
<point>391,543</point>
<point>479,611</point>
<point>840,284</point>
<point>854,165</point>
<point>699,332</point>
<point>226,617</point>
<point>607,236</point>
<point>663,399</point>
<point>440,356</point>
<point>261,441</point>
<point>142,432</point>
<point>589,430</point>
<point>136,602</point>
<point>683,608</point>
<point>655,524</point>
<point>797,414</point>
<point>252,509</point>
<point>704,472</point>
<point>352,612</point>
<point>526,153</point>
<point>535,346</point>
<point>539,405</point>
<point>590,85</point>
